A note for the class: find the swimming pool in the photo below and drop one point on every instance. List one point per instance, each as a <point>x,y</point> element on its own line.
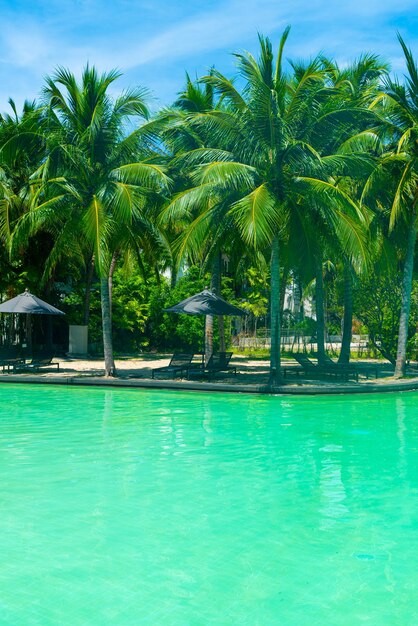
<point>128,507</point>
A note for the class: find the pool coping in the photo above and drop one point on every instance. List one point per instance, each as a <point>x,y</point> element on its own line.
<point>307,389</point>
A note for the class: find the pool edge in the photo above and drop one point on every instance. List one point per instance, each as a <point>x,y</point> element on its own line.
<point>388,387</point>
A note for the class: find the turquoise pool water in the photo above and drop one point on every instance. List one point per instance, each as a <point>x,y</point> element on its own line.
<point>134,507</point>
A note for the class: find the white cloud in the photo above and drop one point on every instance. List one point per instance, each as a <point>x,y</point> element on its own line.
<point>211,30</point>
<point>137,36</point>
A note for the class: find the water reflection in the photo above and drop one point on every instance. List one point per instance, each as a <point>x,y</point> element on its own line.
<point>203,506</point>
<point>401,433</point>
<point>332,492</point>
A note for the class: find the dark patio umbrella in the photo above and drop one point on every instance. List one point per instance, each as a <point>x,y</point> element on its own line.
<point>29,304</point>
<point>205,303</point>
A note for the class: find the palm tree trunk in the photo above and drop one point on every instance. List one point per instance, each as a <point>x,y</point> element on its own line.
<point>275,374</point>
<point>208,337</point>
<point>348,315</point>
<point>406,299</point>
<point>87,295</point>
<point>320,319</point>
<point>283,285</point>
<point>297,298</point>
<point>173,276</point>
<point>110,279</point>
<point>221,330</point>
<point>216,288</point>
<point>110,369</point>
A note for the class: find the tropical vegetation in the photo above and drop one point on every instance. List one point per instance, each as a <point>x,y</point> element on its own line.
<point>290,181</point>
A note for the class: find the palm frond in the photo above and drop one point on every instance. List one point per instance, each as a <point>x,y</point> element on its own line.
<point>258,217</point>
<point>228,175</point>
<point>147,175</point>
<point>396,208</point>
<point>183,203</point>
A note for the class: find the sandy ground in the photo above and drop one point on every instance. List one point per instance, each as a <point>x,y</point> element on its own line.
<point>253,371</point>
<point>250,372</point>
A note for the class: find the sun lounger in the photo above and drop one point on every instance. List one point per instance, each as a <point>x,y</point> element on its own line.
<point>366,369</point>
<point>10,356</point>
<point>218,362</point>
<point>178,365</point>
<point>35,365</point>
<point>308,367</point>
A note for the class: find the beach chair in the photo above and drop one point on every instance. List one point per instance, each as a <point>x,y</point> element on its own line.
<point>309,367</point>
<point>218,362</point>
<point>35,365</point>
<point>305,366</point>
<point>178,365</point>
<point>10,356</point>
<point>366,369</point>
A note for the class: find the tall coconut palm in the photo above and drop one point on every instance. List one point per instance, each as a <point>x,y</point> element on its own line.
<point>393,186</point>
<point>261,163</point>
<point>22,149</point>
<point>96,178</point>
<point>201,241</point>
<point>356,87</point>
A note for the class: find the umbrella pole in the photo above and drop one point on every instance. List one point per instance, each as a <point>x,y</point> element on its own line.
<point>10,330</point>
<point>29,332</point>
<point>204,341</point>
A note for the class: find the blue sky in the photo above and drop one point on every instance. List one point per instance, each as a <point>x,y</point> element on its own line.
<point>153,42</point>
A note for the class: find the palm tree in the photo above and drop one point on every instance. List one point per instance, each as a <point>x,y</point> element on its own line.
<point>393,186</point>
<point>261,164</point>
<point>202,241</point>
<point>356,87</point>
<point>96,179</point>
<point>22,149</point>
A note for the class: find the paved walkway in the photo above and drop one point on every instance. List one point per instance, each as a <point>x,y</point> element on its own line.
<point>252,377</point>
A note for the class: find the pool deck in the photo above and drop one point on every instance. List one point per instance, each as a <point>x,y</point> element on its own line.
<point>252,377</point>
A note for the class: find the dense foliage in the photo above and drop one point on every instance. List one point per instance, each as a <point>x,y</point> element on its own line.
<point>298,182</point>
